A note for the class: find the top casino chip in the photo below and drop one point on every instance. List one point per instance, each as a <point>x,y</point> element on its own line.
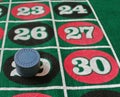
<point>27,62</point>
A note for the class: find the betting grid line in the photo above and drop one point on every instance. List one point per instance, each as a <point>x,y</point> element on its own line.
<point>2,22</point>
<point>104,33</point>
<point>64,48</point>
<point>31,88</point>
<point>86,47</point>
<point>59,52</point>
<point>29,2</point>
<point>18,21</point>
<point>41,1</point>
<point>4,2</point>
<point>60,87</point>
<point>5,33</point>
<point>14,2</point>
<point>68,0</point>
<point>71,20</point>
<point>22,2</point>
<point>94,87</point>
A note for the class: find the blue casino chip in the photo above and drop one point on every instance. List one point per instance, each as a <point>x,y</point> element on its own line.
<point>27,62</point>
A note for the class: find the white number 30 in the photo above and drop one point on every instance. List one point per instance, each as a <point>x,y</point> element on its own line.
<point>82,63</point>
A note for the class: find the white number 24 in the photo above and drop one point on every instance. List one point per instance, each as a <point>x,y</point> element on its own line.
<point>65,9</point>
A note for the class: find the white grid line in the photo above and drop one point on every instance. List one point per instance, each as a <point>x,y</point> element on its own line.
<point>42,1</point>
<point>2,22</point>
<point>104,33</point>
<point>85,47</point>
<point>6,27</point>
<point>60,87</point>
<point>64,48</point>
<point>22,2</point>
<point>59,52</point>
<point>68,1</point>
<point>93,87</point>
<point>32,88</point>
<point>69,20</point>
<point>29,2</point>
<point>4,2</point>
<point>24,21</point>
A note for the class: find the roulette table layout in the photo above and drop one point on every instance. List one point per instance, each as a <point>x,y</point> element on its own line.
<point>78,43</point>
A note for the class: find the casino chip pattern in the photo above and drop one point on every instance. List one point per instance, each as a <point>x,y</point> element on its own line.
<point>76,56</point>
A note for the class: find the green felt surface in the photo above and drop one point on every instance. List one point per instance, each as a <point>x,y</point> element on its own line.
<point>62,85</point>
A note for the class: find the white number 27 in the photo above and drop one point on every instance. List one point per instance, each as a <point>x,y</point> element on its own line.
<point>76,33</point>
